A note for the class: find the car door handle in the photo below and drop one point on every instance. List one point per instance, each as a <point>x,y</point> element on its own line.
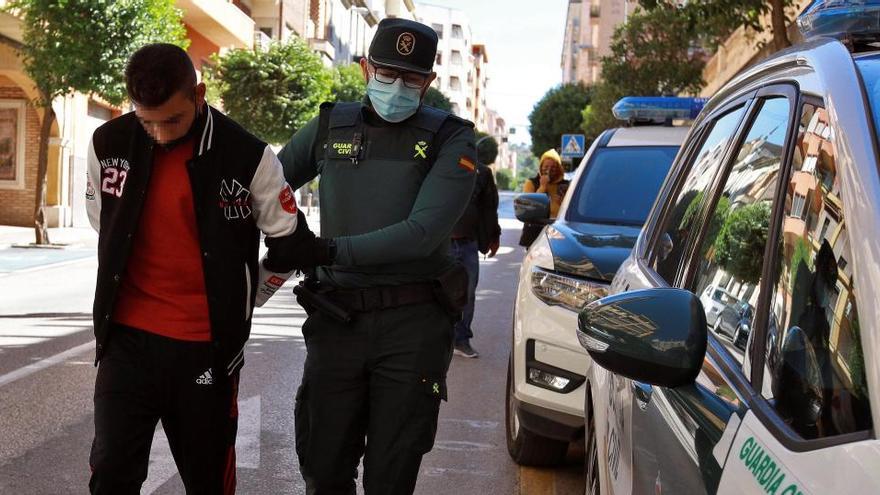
<point>642,393</point>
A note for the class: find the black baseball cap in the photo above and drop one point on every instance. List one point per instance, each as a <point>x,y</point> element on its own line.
<point>405,45</point>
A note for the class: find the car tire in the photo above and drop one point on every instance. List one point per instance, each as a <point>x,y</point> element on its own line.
<point>717,327</point>
<point>525,447</point>
<point>592,482</point>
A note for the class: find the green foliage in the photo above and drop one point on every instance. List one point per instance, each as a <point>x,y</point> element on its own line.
<point>83,45</point>
<point>348,83</point>
<point>714,20</point>
<point>435,98</point>
<point>487,151</point>
<point>800,254</point>
<point>652,54</point>
<point>273,93</point>
<point>739,247</point>
<point>557,113</point>
<point>504,179</point>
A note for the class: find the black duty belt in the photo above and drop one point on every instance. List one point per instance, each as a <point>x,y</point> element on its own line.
<point>385,297</point>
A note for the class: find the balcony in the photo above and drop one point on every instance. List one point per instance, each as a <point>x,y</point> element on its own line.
<point>220,21</point>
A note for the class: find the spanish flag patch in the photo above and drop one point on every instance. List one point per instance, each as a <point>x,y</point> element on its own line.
<point>466,163</point>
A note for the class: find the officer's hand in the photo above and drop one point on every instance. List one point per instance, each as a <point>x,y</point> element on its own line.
<point>301,250</point>
<point>493,247</point>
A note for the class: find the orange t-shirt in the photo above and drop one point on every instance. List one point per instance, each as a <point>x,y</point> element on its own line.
<point>163,289</point>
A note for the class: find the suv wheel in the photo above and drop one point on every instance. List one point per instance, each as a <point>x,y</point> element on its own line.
<point>591,458</point>
<point>525,447</point>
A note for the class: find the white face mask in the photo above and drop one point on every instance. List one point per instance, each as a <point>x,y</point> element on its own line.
<point>394,102</point>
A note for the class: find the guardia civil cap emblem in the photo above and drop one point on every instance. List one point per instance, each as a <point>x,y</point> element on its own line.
<point>406,43</point>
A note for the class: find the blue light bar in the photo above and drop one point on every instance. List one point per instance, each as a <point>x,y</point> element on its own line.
<point>657,108</point>
<point>853,19</point>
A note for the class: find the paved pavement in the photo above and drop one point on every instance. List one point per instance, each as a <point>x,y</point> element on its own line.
<point>47,375</point>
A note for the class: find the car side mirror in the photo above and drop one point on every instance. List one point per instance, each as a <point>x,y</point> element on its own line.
<point>532,208</point>
<point>655,336</point>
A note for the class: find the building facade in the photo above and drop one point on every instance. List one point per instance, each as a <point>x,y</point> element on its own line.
<point>340,31</point>
<point>589,27</point>
<point>455,63</point>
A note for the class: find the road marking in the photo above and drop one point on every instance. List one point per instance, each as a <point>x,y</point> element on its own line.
<point>439,471</point>
<point>247,447</point>
<point>45,363</point>
<point>247,442</point>
<point>462,446</point>
<point>473,423</point>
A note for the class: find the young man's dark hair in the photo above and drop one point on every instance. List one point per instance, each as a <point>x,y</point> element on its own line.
<point>156,72</point>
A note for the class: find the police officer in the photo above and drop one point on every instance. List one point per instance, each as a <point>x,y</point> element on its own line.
<point>395,177</point>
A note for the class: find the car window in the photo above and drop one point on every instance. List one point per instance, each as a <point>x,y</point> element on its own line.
<point>814,369</point>
<point>620,184</point>
<point>731,254</point>
<point>679,218</point>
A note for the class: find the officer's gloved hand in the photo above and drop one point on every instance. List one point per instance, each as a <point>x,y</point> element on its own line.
<point>301,250</point>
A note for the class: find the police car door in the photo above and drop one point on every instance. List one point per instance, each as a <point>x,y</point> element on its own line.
<point>809,427</point>
<point>683,435</point>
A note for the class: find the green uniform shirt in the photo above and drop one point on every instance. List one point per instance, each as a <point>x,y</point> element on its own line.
<point>391,213</point>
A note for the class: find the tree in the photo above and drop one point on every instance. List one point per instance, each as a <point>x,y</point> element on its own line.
<point>273,93</point>
<point>435,98</point>
<point>348,83</point>
<point>487,149</point>
<point>504,179</point>
<point>714,20</point>
<point>83,46</point>
<point>739,247</point>
<point>652,54</point>
<point>557,113</point>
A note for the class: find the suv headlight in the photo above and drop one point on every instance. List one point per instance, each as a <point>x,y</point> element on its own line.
<point>561,290</point>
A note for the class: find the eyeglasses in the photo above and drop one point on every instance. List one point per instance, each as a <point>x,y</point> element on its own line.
<point>410,79</point>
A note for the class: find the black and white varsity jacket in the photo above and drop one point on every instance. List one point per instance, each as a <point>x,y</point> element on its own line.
<point>238,190</point>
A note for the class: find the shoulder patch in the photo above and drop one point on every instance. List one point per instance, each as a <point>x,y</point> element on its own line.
<point>467,163</point>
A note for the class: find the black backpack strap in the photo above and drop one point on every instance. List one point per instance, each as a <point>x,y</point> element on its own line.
<point>345,114</point>
<point>320,141</point>
<point>334,115</point>
<point>430,119</point>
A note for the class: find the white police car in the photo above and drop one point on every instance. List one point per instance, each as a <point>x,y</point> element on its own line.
<point>570,264</point>
<point>774,198</point>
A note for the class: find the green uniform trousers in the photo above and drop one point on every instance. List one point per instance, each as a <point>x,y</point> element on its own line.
<point>371,388</point>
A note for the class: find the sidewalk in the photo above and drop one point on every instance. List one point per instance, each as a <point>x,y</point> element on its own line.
<point>17,251</point>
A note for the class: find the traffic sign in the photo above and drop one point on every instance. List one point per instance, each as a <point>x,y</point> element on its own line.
<point>572,145</point>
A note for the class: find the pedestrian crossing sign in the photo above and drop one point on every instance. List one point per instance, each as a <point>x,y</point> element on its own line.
<point>572,145</point>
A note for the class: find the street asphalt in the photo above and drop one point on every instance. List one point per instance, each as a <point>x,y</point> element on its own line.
<point>47,376</point>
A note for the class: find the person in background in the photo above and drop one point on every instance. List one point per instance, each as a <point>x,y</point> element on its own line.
<point>550,181</point>
<point>476,231</point>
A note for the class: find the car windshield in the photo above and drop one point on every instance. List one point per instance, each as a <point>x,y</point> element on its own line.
<point>723,297</point>
<point>869,66</point>
<point>620,184</point>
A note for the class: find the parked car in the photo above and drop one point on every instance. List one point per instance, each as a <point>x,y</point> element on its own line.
<point>715,300</point>
<point>777,190</point>
<point>570,264</point>
<point>735,321</point>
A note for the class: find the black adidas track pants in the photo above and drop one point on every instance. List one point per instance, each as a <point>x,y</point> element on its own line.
<point>145,378</point>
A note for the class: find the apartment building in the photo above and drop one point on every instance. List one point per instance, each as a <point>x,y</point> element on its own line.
<point>589,27</point>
